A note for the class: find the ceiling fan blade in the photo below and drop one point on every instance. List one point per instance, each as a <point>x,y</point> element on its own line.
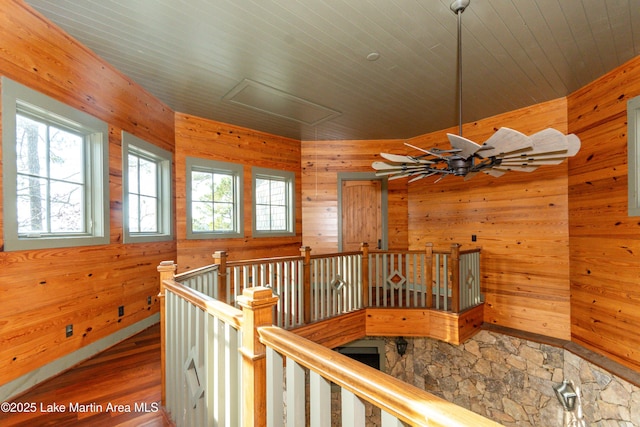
<point>573,144</point>
<point>389,172</point>
<point>406,172</point>
<point>516,168</point>
<point>505,141</point>
<point>431,153</point>
<point>400,175</point>
<point>548,141</point>
<point>441,178</point>
<point>467,147</point>
<point>470,175</point>
<point>399,167</point>
<point>532,162</point>
<point>384,166</point>
<point>398,158</point>
<point>422,175</point>
<point>528,156</point>
<point>493,172</point>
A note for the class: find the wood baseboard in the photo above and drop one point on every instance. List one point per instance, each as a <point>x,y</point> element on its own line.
<point>26,382</point>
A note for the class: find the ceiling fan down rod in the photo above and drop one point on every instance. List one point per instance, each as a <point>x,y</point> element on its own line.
<point>458,6</point>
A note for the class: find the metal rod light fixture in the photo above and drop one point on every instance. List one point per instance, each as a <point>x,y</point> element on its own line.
<point>458,7</point>
<point>506,150</point>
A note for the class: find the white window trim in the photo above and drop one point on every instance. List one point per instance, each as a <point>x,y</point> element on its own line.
<point>12,95</point>
<point>633,153</point>
<point>221,167</point>
<point>289,178</point>
<point>131,144</point>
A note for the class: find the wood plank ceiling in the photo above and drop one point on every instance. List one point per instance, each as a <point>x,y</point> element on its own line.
<point>305,58</point>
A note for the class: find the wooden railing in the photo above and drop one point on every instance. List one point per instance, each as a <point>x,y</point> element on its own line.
<point>225,367</point>
<point>200,355</point>
<point>399,402</point>
<point>335,282</point>
<point>317,287</point>
<point>285,275</point>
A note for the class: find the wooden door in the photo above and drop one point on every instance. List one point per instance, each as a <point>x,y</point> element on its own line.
<point>361,213</point>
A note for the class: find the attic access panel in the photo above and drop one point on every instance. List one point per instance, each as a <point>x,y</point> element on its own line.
<point>260,97</point>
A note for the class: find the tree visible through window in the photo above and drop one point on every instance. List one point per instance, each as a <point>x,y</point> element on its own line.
<point>212,202</point>
<point>214,199</point>
<point>55,168</point>
<point>143,194</point>
<point>50,178</point>
<point>146,183</point>
<point>271,204</point>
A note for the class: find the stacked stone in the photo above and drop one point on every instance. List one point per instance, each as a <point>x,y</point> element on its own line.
<point>510,380</point>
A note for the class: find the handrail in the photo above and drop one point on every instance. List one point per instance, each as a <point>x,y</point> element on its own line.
<point>335,254</point>
<point>393,278</point>
<point>470,251</point>
<point>315,256</point>
<point>196,271</point>
<point>404,401</point>
<point>225,312</point>
<point>263,260</point>
<point>415,251</point>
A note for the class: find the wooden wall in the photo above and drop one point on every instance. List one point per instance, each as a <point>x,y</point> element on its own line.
<point>520,221</point>
<point>206,139</point>
<point>560,255</point>
<point>322,161</point>
<point>604,240</point>
<point>43,291</point>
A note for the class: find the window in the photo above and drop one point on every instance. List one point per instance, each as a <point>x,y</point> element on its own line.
<point>147,191</point>
<point>273,202</point>
<point>214,199</point>
<point>633,152</point>
<point>55,172</point>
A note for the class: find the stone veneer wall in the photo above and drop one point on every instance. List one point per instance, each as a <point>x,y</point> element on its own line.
<point>510,380</point>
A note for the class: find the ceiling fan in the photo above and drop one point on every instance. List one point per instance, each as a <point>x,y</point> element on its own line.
<point>506,150</point>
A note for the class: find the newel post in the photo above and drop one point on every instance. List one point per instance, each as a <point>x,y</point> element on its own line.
<point>306,283</point>
<point>364,247</point>
<point>455,277</point>
<point>220,258</point>
<point>428,274</point>
<point>257,310</point>
<point>167,270</point>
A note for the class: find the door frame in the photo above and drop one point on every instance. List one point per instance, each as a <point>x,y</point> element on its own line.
<point>365,176</point>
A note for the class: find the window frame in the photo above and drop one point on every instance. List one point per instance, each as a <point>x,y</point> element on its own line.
<point>633,156</point>
<point>17,98</point>
<point>215,166</point>
<point>163,159</point>
<point>274,174</point>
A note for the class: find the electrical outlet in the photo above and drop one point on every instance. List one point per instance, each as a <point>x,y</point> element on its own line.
<point>121,311</point>
<point>474,238</point>
<point>69,330</point>
<point>149,300</point>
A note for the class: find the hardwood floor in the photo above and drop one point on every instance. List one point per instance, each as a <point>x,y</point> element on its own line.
<point>118,387</point>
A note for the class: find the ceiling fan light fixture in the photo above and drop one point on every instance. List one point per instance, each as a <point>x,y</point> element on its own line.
<point>458,6</point>
<point>506,150</point>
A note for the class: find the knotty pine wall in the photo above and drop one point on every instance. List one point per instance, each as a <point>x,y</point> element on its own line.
<point>604,240</point>
<point>520,220</point>
<point>322,161</point>
<point>559,252</point>
<point>43,291</point>
<point>207,139</point>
